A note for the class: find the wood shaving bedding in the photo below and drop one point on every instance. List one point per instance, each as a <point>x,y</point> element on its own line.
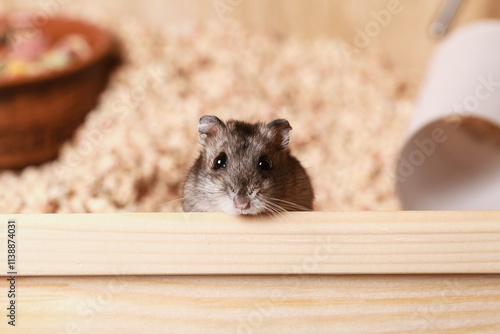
<point>135,148</point>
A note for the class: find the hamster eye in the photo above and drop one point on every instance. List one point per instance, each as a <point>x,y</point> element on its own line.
<point>265,163</point>
<point>220,161</point>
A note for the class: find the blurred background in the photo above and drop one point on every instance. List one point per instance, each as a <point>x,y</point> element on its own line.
<point>405,40</point>
<point>346,74</point>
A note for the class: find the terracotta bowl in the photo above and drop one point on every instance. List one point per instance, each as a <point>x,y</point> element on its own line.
<point>39,113</point>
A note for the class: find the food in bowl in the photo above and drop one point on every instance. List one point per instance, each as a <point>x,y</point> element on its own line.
<point>26,50</point>
<point>50,83</point>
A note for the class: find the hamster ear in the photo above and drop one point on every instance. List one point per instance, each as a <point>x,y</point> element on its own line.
<point>281,132</point>
<point>208,128</point>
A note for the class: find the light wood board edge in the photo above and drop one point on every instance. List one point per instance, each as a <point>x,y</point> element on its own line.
<point>293,243</point>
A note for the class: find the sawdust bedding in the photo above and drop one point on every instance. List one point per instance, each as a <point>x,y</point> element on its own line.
<point>133,152</point>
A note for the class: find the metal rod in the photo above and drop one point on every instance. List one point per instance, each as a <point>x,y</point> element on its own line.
<point>443,18</point>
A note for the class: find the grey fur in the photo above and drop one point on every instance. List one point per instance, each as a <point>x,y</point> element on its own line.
<point>286,187</point>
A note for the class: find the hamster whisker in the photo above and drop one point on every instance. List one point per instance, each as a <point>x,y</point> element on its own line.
<point>168,202</point>
<point>269,204</point>
<point>274,209</point>
<point>291,205</point>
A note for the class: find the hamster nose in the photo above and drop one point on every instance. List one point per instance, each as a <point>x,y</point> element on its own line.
<point>241,202</point>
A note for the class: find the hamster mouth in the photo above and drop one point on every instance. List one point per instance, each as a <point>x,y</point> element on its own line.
<point>245,212</point>
<point>251,210</point>
<point>248,213</point>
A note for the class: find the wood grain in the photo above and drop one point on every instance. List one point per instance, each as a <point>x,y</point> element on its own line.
<point>368,304</point>
<point>300,243</point>
<point>296,301</point>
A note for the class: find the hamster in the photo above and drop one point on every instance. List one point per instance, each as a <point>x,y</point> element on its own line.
<point>246,169</point>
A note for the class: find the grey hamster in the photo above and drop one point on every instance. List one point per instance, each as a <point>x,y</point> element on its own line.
<point>246,168</point>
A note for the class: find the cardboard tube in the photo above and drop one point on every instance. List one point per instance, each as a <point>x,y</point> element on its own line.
<point>451,159</point>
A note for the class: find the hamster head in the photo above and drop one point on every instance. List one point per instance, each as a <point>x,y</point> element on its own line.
<point>243,168</point>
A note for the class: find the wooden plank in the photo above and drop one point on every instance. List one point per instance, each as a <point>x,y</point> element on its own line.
<point>368,304</point>
<point>215,243</point>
